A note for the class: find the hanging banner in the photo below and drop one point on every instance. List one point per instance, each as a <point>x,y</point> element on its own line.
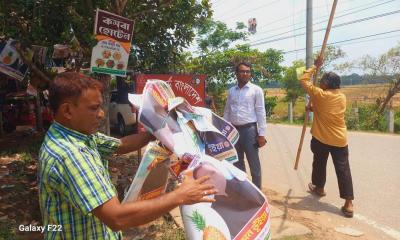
<point>39,55</point>
<point>11,63</point>
<point>189,86</point>
<point>114,36</point>
<point>190,139</point>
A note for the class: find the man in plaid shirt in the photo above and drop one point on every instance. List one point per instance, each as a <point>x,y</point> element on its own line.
<point>77,198</point>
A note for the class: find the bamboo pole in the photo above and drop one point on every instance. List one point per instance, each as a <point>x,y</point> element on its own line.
<point>321,56</point>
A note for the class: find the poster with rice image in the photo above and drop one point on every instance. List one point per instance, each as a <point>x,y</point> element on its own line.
<point>241,210</point>
<point>113,34</point>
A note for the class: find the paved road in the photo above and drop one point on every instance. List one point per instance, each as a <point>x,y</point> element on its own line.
<point>375,166</point>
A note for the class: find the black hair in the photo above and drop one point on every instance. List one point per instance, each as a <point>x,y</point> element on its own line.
<point>242,63</point>
<point>70,85</point>
<point>331,79</point>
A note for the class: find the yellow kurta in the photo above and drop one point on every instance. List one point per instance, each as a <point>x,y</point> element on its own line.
<point>329,106</point>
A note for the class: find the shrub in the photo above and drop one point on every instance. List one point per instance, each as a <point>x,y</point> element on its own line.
<point>397,122</point>
<point>365,118</point>
<point>351,117</point>
<point>270,104</point>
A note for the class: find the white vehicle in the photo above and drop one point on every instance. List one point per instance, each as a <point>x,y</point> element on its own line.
<point>122,113</point>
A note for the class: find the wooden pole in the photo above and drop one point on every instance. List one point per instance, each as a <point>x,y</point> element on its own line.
<point>321,55</point>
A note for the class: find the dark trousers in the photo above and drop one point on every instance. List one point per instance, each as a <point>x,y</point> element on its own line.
<point>247,143</point>
<point>340,157</point>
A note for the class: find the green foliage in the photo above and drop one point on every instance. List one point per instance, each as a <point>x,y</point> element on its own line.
<point>270,104</point>
<point>291,84</point>
<point>215,35</point>
<point>161,35</point>
<point>162,29</point>
<point>365,117</point>
<point>397,122</point>
<point>219,94</point>
<point>218,59</point>
<point>219,66</point>
<point>351,118</point>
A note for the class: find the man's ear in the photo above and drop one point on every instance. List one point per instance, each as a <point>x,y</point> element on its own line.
<point>65,110</point>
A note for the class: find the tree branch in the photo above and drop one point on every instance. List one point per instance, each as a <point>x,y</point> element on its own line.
<point>391,92</point>
<point>141,13</point>
<point>89,5</point>
<point>32,66</point>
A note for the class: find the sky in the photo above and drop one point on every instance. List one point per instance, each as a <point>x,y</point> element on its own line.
<point>285,18</point>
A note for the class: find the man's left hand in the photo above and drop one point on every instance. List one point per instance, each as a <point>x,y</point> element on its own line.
<point>261,141</point>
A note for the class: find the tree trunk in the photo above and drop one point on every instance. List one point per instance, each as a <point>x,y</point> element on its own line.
<point>33,67</point>
<point>392,91</point>
<point>1,123</point>
<point>38,113</point>
<point>106,79</point>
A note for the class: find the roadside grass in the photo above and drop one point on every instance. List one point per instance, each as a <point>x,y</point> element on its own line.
<point>360,98</point>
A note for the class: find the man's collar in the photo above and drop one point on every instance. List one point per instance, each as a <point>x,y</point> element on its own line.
<point>71,132</point>
<point>246,85</point>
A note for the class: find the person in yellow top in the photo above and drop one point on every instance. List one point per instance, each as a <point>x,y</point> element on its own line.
<point>329,134</point>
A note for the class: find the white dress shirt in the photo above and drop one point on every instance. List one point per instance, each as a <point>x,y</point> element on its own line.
<point>246,105</point>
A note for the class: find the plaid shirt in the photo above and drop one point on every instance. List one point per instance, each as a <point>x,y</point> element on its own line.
<point>74,180</point>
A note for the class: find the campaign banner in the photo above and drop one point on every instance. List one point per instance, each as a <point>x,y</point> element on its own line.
<point>189,86</point>
<point>11,63</point>
<point>218,135</point>
<point>151,177</point>
<point>114,35</point>
<point>241,210</point>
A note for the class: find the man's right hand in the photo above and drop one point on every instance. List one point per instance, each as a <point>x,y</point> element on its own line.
<point>192,191</point>
<point>119,216</point>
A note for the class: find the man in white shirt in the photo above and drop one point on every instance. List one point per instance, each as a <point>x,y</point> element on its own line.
<point>246,111</point>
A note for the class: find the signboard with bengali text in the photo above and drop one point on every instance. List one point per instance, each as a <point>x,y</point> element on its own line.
<point>190,87</point>
<point>114,36</point>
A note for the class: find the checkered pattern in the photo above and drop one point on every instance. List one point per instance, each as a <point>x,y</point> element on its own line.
<point>73,180</point>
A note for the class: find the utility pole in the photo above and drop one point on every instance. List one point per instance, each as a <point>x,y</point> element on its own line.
<point>309,43</point>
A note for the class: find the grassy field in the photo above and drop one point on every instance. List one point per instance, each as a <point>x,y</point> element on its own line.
<point>356,95</point>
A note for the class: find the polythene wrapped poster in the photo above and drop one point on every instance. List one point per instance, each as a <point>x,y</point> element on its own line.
<point>194,135</point>
<point>240,211</point>
<point>152,175</point>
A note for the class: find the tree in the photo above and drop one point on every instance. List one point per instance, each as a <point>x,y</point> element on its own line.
<point>291,83</point>
<point>216,36</point>
<point>387,67</point>
<point>218,59</point>
<point>217,55</point>
<point>332,53</point>
<point>162,29</point>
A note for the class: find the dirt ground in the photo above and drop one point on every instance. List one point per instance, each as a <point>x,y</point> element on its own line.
<point>19,196</point>
<point>19,192</point>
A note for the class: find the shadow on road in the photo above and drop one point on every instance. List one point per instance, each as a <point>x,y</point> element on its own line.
<point>309,203</point>
<point>312,203</point>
